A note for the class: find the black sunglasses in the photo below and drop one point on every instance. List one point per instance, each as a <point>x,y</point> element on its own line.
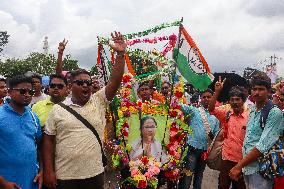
<point>25,91</point>
<point>58,86</point>
<point>82,82</point>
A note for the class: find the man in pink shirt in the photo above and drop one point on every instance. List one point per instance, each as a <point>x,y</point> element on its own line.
<point>233,118</point>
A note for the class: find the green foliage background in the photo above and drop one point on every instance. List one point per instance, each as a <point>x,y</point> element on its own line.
<point>35,62</point>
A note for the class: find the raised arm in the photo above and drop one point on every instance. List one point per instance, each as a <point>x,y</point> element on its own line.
<point>61,48</point>
<point>218,88</point>
<point>119,47</point>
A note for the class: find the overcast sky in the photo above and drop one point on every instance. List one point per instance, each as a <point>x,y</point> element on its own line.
<point>231,34</point>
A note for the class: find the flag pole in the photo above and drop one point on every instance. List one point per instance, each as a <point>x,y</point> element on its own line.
<point>105,82</point>
<point>172,89</point>
<point>179,35</point>
<point>102,61</point>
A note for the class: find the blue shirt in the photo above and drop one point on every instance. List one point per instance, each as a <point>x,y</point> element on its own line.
<point>262,139</point>
<point>18,153</point>
<point>199,137</point>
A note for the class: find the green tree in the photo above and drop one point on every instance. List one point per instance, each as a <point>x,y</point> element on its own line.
<point>140,64</point>
<point>42,64</point>
<point>94,70</point>
<point>14,66</point>
<point>35,62</point>
<point>69,64</point>
<point>3,39</point>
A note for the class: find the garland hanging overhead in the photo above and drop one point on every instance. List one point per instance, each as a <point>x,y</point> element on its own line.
<point>154,40</point>
<point>157,28</point>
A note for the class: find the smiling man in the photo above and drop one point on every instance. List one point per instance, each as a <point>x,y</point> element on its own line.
<point>233,118</point>
<point>68,144</point>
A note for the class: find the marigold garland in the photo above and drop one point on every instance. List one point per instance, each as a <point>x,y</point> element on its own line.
<point>178,130</point>
<point>178,135</point>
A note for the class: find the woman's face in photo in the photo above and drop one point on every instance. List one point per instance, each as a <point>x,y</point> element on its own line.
<point>149,128</point>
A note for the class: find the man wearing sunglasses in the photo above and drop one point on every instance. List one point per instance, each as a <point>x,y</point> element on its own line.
<point>57,92</point>
<point>20,134</point>
<point>78,161</point>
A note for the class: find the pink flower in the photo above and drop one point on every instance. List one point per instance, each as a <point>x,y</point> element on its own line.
<point>148,174</point>
<point>124,160</point>
<point>177,155</point>
<point>154,170</point>
<point>173,131</point>
<point>134,172</point>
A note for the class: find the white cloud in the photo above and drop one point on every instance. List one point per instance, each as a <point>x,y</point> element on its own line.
<point>231,34</point>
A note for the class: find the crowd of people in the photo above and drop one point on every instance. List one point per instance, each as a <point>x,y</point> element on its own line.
<point>46,140</point>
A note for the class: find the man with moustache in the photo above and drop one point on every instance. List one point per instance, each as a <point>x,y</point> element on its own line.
<point>71,152</point>
<point>233,119</point>
<point>259,137</point>
<point>57,92</point>
<point>144,92</point>
<point>166,89</point>
<point>20,134</point>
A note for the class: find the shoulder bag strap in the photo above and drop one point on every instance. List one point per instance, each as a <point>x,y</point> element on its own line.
<point>206,123</point>
<point>89,126</point>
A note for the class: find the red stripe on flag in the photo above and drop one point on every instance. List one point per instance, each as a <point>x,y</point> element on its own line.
<point>99,54</point>
<point>129,65</point>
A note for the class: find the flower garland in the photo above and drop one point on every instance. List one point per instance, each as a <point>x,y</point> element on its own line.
<point>153,75</point>
<point>157,28</point>
<point>153,56</point>
<point>127,107</point>
<point>154,40</point>
<point>142,175</point>
<point>178,135</point>
<point>120,158</point>
<point>144,172</point>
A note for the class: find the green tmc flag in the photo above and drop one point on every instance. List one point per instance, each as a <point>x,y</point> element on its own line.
<point>190,62</point>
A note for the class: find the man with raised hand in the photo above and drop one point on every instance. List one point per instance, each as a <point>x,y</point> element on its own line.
<point>260,137</point>
<point>61,48</point>
<point>68,143</point>
<point>205,127</point>
<point>233,118</point>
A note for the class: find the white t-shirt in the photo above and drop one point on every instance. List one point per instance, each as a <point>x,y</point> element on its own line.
<point>77,152</point>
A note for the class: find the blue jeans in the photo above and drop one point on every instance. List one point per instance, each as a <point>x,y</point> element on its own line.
<point>193,162</point>
<point>256,181</point>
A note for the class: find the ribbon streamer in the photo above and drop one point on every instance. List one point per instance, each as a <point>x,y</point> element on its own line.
<point>157,28</point>
<point>154,40</point>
